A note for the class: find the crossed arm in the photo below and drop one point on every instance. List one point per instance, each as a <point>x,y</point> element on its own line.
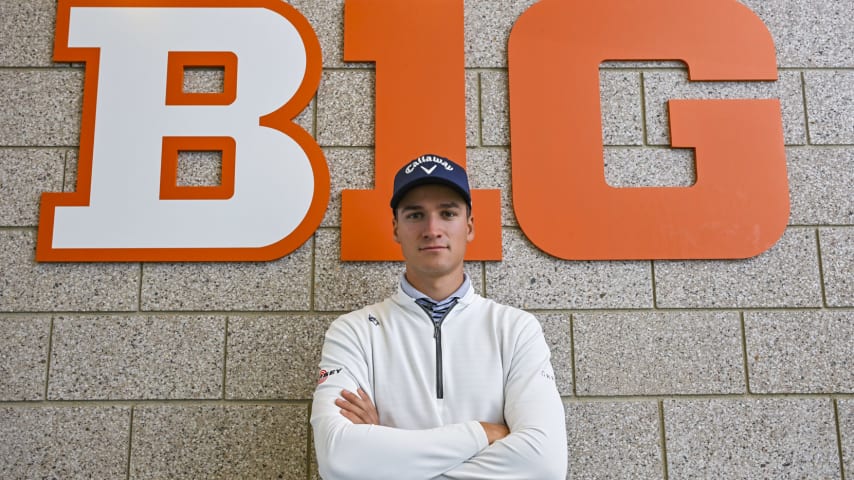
<point>359,409</point>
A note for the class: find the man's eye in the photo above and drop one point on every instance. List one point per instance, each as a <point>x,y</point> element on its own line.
<point>449,214</point>
<point>414,216</point>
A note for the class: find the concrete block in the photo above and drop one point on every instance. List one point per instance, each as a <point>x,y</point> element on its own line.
<point>800,351</point>
<point>41,107</point>
<point>830,105</point>
<point>528,278</point>
<point>556,330</point>
<point>27,286</point>
<point>663,85</point>
<point>821,185</point>
<point>649,167</point>
<point>274,357</point>
<point>489,169</point>
<point>494,108</point>
<point>814,34</point>
<point>349,169</point>
<point>344,286</point>
<point>837,260</point>
<point>756,438</point>
<point>138,357</point>
<point>845,410</point>
<point>24,175</point>
<point>345,108</point>
<point>64,442</point>
<point>613,440</point>
<point>645,353</point>
<point>620,100</point>
<point>487,28</point>
<point>26,33</point>
<point>786,275</point>
<point>283,284</point>
<point>231,441</point>
<point>23,357</point>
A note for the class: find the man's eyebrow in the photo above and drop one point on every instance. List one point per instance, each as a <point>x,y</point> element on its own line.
<point>451,204</point>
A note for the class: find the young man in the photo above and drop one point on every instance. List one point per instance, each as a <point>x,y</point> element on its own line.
<point>437,381</point>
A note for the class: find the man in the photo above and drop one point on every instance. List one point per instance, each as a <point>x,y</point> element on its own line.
<point>437,381</point>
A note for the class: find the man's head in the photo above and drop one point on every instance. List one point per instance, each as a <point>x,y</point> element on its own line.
<point>432,220</point>
<point>430,169</point>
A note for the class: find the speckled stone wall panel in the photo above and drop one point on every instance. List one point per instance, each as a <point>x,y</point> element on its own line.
<point>830,104</point>
<point>283,284</point>
<point>234,441</point>
<point>487,29</point>
<point>489,169</point>
<point>344,286</point>
<point>800,351</point>
<point>663,85</point>
<point>528,278</point>
<point>845,412</point>
<point>27,286</point>
<point>41,107</point>
<point>139,357</point>
<point>837,261</point>
<point>274,357</point>
<point>556,330</point>
<point>745,439</point>
<point>494,108</point>
<point>620,101</point>
<point>813,33</point>
<point>645,353</point>
<point>349,169</point>
<point>613,440</point>
<point>821,185</point>
<point>649,167</point>
<point>787,275</point>
<point>345,108</point>
<point>24,175</point>
<point>64,442</point>
<point>26,33</point>
<point>23,357</point>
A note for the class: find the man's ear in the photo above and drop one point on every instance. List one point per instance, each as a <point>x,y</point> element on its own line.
<point>470,235</point>
<point>394,228</point>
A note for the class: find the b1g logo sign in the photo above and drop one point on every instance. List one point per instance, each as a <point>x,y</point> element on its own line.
<point>275,182</point>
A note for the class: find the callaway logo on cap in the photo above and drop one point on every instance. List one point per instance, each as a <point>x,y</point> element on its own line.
<point>430,169</point>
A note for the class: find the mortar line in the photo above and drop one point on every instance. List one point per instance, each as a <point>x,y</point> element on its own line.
<point>49,354</point>
<point>839,439</point>
<point>572,356</point>
<point>820,268</point>
<point>130,443</point>
<point>652,282</point>
<point>663,440</point>
<point>644,142</point>
<point>308,450</point>
<point>139,288</point>
<point>744,352</point>
<point>804,105</point>
<point>225,358</point>
<point>479,93</point>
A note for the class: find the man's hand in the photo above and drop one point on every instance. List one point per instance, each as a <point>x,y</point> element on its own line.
<point>358,407</point>
<point>495,431</point>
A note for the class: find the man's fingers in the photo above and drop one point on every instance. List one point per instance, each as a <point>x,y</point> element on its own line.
<point>358,408</point>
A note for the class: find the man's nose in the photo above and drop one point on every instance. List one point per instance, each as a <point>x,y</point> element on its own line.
<point>432,227</point>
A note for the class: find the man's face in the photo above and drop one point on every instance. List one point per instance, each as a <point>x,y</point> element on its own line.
<point>433,226</point>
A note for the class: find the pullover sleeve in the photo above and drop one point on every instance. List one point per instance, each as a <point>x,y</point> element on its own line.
<point>347,451</point>
<point>536,448</point>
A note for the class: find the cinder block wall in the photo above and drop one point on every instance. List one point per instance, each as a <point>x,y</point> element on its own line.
<point>669,369</point>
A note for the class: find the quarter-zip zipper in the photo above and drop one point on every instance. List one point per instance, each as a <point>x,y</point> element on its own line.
<point>437,337</point>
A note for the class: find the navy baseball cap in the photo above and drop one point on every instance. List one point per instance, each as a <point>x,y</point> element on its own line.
<point>430,169</point>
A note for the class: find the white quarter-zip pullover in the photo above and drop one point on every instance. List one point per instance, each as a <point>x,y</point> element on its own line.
<point>495,368</point>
